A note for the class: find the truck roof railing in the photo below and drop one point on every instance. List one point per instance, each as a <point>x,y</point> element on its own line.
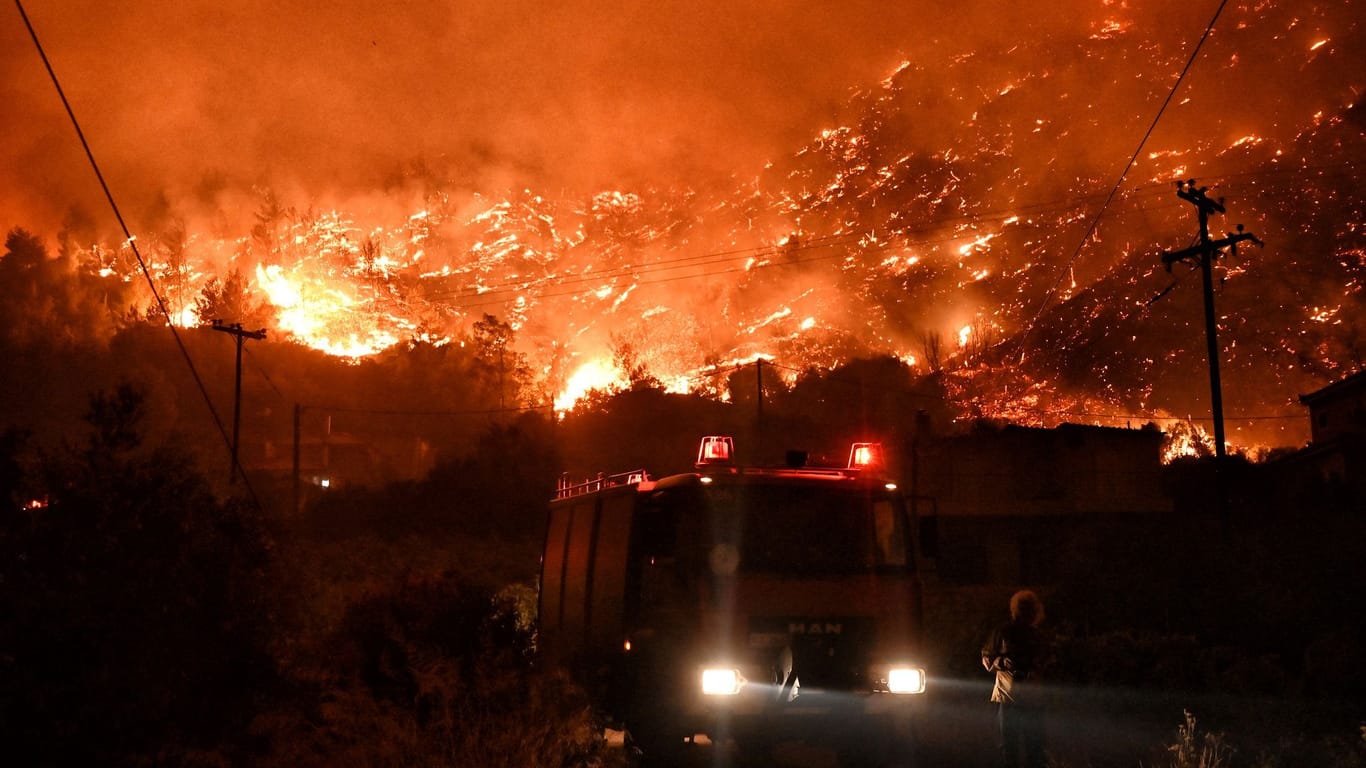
<point>835,473</point>
<point>716,455</point>
<point>566,488</point>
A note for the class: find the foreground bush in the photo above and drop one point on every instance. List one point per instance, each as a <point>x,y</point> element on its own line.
<point>133,608</point>
<point>1195,747</point>
<point>435,672</point>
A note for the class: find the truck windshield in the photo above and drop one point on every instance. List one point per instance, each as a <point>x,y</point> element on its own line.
<point>787,529</point>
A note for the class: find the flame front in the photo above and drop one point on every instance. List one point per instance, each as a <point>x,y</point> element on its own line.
<point>321,317</point>
<point>592,375</point>
<point>936,218</point>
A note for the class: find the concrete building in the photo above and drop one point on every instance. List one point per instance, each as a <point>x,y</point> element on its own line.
<point>1338,410</point>
<point>1026,505</point>
<point>1329,473</point>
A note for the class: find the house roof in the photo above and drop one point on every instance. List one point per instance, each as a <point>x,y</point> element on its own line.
<point>1336,389</point>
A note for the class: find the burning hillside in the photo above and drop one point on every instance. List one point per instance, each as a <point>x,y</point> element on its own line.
<point>937,217</point>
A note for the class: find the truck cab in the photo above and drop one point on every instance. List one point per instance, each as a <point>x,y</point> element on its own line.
<point>752,605</point>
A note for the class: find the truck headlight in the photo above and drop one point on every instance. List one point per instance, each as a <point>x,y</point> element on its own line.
<point>906,680</point>
<point>719,681</point>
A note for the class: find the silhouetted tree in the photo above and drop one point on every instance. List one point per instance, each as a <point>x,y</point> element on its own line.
<point>493,498</point>
<point>932,347</point>
<point>504,370</point>
<point>46,300</point>
<point>628,360</point>
<point>273,220</point>
<point>12,475</point>
<point>980,341</point>
<point>170,263</point>
<point>133,606</point>
<point>231,301</point>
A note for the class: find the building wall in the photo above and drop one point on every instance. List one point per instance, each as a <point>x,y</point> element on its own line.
<point>1338,409</point>
<point>1023,471</point>
<point>1330,473</point>
<point>1022,505</point>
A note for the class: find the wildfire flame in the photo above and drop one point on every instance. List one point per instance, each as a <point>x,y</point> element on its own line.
<point>882,235</point>
<point>596,374</point>
<point>318,316</point>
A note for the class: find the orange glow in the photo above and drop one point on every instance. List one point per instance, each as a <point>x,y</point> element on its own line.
<point>1185,438</point>
<point>596,374</point>
<point>321,317</point>
<point>935,190</point>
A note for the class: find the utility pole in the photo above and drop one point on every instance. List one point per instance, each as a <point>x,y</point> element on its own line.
<point>759,443</point>
<point>240,336</point>
<point>759,389</point>
<point>298,490</point>
<point>1204,253</point>
<point>502,404</point>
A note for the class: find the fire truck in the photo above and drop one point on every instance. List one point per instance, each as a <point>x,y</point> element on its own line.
<point>753,605</point>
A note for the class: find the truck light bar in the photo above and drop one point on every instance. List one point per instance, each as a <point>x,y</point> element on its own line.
<point>865,455</point>
<point>716,450</point>
<point>719,451</point>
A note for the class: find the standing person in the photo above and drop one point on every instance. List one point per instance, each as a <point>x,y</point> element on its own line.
<point>1017,653</point>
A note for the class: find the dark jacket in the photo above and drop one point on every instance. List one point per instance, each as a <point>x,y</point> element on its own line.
<point>1016,652</point>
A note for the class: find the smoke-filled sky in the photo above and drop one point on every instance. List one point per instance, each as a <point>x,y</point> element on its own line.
<point>940,162</point>
<point>189,97</point>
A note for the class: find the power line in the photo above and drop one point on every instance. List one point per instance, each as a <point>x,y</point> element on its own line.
<point>1036,411</point>
<point>676,278</point>
<point>1095,220</point>
<point>503,293</point>
<point>1085,414</point>
<point>423,412</point>
<point>261,369</point>
<point>727,256</point>
<point>665,265</point>
<point>128,237</point>
<point>1149,417</point>
<point>726,370</point>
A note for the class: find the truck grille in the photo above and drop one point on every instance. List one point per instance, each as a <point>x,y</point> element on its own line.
<point>820,653</point>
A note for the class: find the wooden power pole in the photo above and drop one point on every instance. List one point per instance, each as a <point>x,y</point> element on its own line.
<point>298,491</point>
<point>1203,254</point>
<point>759,389</point>
<point>240,336</point>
